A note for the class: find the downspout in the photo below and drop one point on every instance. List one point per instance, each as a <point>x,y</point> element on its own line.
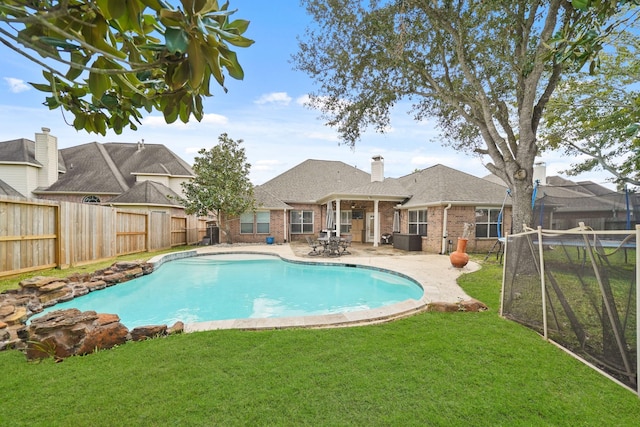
<point>285,232</point>
<point>444,229</point>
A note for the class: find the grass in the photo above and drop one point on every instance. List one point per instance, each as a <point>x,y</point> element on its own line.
<point>431,369</point>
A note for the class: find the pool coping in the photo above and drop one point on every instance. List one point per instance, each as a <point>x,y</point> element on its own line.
<point>353,318</point>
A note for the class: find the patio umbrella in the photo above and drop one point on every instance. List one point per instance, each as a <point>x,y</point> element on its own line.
<point>330,216</point>
<point>396,221</point>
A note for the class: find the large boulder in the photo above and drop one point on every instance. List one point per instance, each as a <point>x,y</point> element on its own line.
<point>70,332</point>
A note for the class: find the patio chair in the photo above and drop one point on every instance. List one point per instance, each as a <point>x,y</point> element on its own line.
<point>313,244</point>
<point>345,244</point>
<point>333,248</point>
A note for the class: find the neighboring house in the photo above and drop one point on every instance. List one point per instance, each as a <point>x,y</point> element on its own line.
<point>562,204</point>
<point>131,175</point>
<point>432,205</point>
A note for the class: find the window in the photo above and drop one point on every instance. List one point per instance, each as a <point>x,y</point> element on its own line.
<point>418,222</point>
<point>487,222</point>
<point>246,223</point>
<point>345,221</point>
<point>259,222</point>
<point>91,199</point>
<point>263,219</point>
<point>301,222</point>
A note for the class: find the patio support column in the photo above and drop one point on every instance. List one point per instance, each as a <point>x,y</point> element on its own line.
<point>338,217</point>
<point>376,224</point>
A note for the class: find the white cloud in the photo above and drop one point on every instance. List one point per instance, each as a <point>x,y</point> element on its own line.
<point>265,165</point>
<point>323,136</point>
<point>303,100</point>
<point>274,98</point>
<point>16,85</point>
<point>214,119</point>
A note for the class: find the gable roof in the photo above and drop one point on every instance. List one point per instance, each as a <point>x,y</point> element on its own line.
<point>111,168</point>
<point>439,184</point>
<point>317,181</point>
<point>148,193</point>
<point>312,179</point>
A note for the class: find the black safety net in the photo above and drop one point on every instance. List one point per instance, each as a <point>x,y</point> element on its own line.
<point>590,294</point>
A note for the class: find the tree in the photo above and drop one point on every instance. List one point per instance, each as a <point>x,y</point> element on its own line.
<point>597,114</point>
<point>485,70</point>
<point>106,61</point>
<point>221,185</point>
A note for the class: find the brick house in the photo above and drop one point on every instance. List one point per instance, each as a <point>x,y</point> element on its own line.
<point>429,206</point>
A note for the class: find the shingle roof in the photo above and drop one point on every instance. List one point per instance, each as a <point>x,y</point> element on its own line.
<point>148,193</point>
<point>89,170</point>
<point>390,188</point>
<point>146,159</point>
<point>441,184</point>
<point>266,200</point>
<point>313,179</point>
<point>18,151</point>
<point>111,168</point>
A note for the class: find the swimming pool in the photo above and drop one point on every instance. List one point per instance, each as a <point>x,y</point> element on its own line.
<point>221,287</point>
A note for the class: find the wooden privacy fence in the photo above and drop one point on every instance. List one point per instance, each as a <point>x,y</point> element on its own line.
<point>40,234</point>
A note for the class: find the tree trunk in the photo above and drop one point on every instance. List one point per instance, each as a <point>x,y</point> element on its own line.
<point>521,193</point>
<point>225,226</point>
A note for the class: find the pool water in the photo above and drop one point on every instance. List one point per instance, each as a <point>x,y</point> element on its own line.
<point>215,287</point>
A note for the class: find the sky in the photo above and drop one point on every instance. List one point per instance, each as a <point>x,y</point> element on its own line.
<point>265,110</point>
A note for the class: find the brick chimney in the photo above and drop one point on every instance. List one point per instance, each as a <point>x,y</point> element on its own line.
<point>47,155</point>
<point>377,169</point>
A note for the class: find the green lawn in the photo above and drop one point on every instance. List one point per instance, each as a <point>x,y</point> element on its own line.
<point>467,369</point>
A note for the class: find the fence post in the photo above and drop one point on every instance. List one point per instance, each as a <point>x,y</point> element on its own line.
<point>543,283</point>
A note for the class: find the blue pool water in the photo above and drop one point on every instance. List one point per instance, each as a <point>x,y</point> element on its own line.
<point>216,287</point>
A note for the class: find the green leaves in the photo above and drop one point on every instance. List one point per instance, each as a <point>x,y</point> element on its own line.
<point>114,59</point>
<point>581,4</point>
<point>221,184</point>
<point>177,40</point>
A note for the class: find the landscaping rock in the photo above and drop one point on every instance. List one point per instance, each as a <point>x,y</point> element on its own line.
<point>60,295</point>
<point>19,315</point>
<point>7,309</point>
<point>145,332</point>
<point>38,282</point>
<point>114,278</point>
<point>177,328</point>
<point>70,332</point>
<point>472,305</point>
<point>96,285</point>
